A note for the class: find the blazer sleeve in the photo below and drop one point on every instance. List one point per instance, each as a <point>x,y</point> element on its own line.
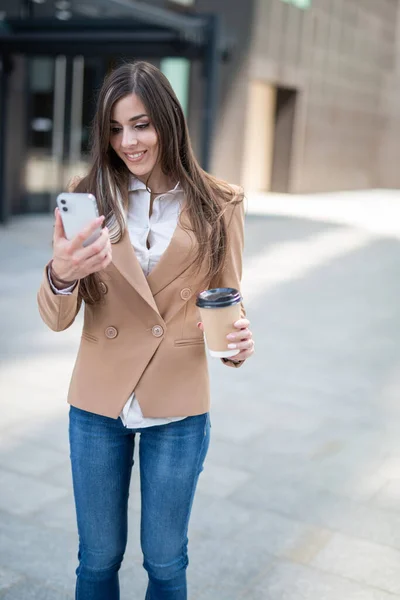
<point>231,275</point>
<point>58,311</point>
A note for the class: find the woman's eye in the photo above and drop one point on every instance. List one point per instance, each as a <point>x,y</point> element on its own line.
<point>115,130</point>
<point>142,125</point>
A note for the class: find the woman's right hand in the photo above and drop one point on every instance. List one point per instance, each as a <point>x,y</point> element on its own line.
<point>72,261</point>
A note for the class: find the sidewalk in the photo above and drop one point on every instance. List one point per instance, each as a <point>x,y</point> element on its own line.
<point>300,496</point>
<point>377,211</point>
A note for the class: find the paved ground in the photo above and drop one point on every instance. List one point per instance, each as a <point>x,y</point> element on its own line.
<point>300,498</point>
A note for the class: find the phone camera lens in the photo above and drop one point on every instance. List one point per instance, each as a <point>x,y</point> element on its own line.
<point>63,202</point>
<point>65,208</point>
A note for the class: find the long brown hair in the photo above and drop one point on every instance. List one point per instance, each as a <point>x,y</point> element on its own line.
<point>108,178</point>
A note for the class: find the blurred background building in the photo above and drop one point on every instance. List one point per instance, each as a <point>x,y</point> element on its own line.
<point>280,95</point>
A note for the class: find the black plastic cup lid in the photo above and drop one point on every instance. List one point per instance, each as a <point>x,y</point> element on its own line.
<point>218,298</point>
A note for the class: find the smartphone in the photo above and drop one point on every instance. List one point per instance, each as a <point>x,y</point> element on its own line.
<point>77,212</point>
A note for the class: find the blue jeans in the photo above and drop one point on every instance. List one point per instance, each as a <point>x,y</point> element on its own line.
<point>171,460</point>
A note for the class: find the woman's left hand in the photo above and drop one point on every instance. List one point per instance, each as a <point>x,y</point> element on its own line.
<point>242,339</point>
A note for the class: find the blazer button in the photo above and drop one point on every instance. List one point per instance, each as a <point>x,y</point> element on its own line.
<point>186,293</point>
<point>157,331</point>
<point>111,332</point>
<point>103,287</point>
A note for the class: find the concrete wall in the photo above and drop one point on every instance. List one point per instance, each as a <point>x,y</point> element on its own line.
<point>340,55</point>
<point>388,157</point>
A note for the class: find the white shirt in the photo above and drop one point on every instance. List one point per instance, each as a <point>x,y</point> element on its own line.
<point>157,230</point>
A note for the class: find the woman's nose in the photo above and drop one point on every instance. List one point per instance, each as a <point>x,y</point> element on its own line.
<point>129,139</point>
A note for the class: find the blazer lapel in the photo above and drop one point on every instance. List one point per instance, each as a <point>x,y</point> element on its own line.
<point>125,260</point>
<point>177,257</point>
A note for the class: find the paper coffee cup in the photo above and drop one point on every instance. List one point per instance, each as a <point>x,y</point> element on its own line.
<point>219,309</point>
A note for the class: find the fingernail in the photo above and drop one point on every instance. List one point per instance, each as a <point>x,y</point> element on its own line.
<point>232,346</point>
<point>198,324</point>
<point>231,336</point>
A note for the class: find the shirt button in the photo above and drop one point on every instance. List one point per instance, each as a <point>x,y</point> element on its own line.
<point>186,293</point>
<point>103,287</point>
<point>157,331</point>
<point>111,332</point>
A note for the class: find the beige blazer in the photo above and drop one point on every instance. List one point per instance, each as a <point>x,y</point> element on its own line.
<point>143,335</point>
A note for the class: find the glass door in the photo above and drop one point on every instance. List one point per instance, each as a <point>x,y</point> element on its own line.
<point>61,104</point>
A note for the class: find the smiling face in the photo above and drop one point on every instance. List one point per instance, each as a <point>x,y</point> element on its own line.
<point>133,137</point>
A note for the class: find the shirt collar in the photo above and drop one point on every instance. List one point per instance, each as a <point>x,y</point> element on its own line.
<point>136,184</point>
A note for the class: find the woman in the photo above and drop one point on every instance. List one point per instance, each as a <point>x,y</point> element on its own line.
<point>172,231</point>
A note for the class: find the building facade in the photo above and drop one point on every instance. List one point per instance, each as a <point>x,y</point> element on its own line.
<point>307,99</point>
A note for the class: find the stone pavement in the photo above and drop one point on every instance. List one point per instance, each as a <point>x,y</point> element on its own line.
<point>300,497</point>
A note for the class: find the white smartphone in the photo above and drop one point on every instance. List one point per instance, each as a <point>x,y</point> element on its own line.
<point>77,212</point>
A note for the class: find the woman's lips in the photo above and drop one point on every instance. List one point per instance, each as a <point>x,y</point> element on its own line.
<point>135,156</point>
